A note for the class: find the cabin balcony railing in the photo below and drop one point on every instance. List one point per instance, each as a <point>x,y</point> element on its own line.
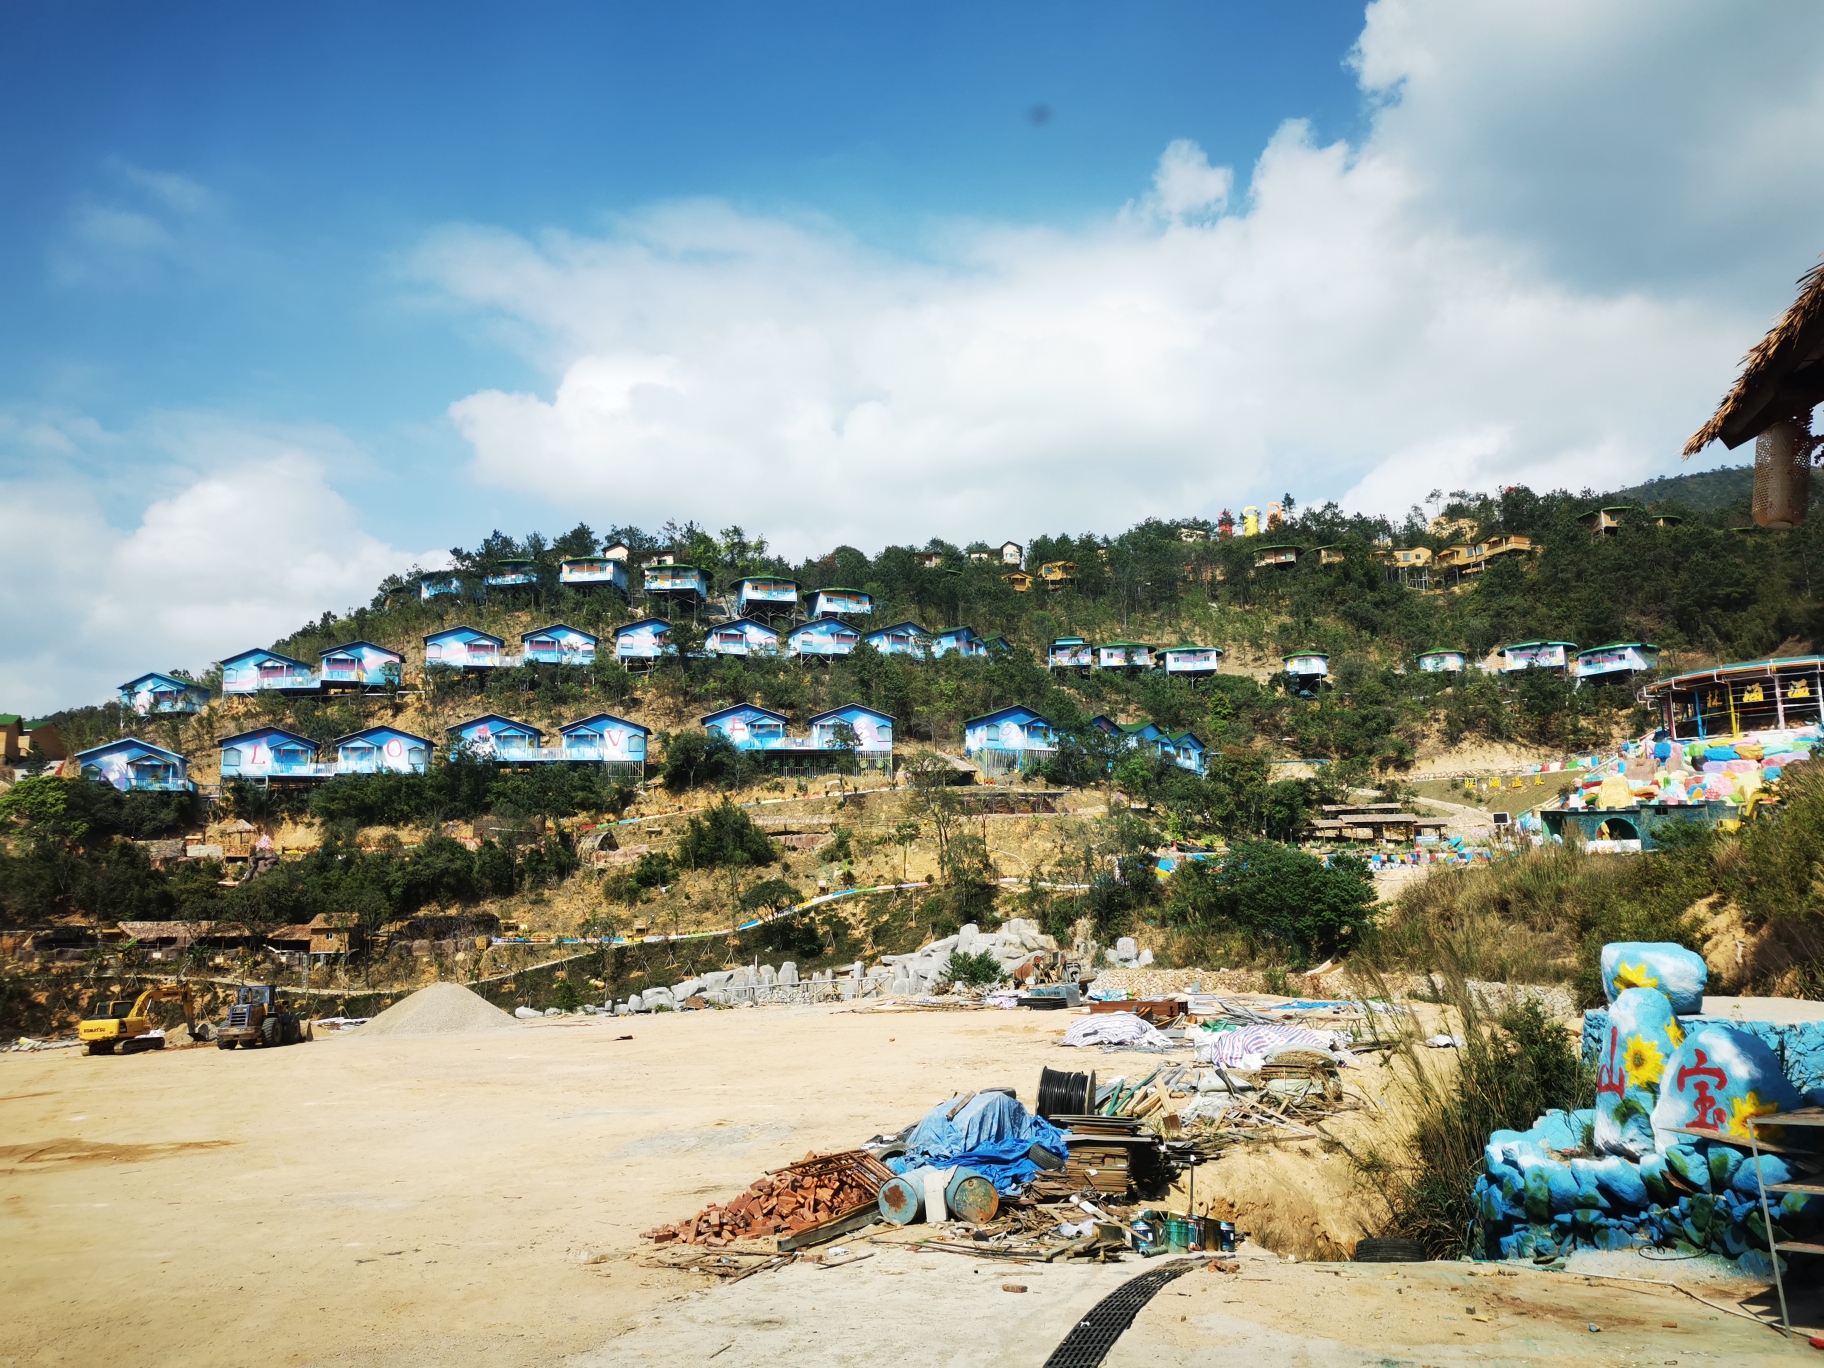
<point>373,767</point>
<point>291,680</point>
<point>302,769</point>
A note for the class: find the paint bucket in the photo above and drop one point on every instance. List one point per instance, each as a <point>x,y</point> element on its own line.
<point>902,1199</point>
<point>1225,1236</point>
<point>1180,1235</point>
<point>971,1197</point>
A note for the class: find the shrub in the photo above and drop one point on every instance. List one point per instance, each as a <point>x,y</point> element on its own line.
<point>724,835</point>
<point>1275,895</point>
<point>974,970</point>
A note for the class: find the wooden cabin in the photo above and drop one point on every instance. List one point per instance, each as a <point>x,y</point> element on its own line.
<point>512,572</point>
<point>262,671</point>
<point>1496,547</point>
<point>822,639</point>
<point>135,766</point>
<point>494,737</point>
<point>766,596</point>
<point>1125,655</point>
<point>902,638</point>
<point>270,753</point>
<point>1008,739</point>
<point>1070,653</point>
<point>360,665</point>
<point>374,750</point>
<point>463,648</point>
<point>590,572</point>
<point>1442,662</point>
<point>1625,658</point>
<point>1273,557</point>
<point>928,560</point>
<point>1328,555</point>
<point>1058,574</point>
<point>682,583</point>
<point>607,739</point>
<point>337,933</point>
<point>639,645</point>
<point>836,602</point>
<point>742,637</point>
<point>1018,581</point>
<point>747,726</point>
<point>961,640</point>
<point>1192,662</point>
<point>872,730</point>
<point>1604,522</point>
<point>557,644</point>
<point>1535,655</point>
<point>163,695</point>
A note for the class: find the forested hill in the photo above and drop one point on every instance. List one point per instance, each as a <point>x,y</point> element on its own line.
<point>1704,589</point>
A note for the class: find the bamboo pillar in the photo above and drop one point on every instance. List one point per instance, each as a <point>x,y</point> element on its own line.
<point>1782,474</point>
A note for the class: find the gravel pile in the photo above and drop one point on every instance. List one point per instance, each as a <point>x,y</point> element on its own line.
<point>441,1009</point>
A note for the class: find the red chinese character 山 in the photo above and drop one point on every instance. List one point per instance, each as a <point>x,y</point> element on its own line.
<point>1612,1077</point>
<point>1710,1111</point>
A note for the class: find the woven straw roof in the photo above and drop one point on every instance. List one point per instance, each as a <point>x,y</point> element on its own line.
<point>1782,377</point>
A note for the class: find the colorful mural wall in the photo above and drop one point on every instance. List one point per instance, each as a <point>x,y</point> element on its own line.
<point>462,648</point>
<point>361,663</point>
<point>583,572</point>
<point>154,695</point>
<point>841,603</point>
<point>902,638</point>
<point>741,637</point>
<point>557,645</point>
<point>1535,655</point>
<point>1443,662</point>
<point>271,753</point>
<point>826,637</point>
<point>132,765</point>
<point>643,642</point>
<point>376,749</point>
<point>259,670</point>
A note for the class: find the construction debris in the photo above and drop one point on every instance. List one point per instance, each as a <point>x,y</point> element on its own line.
<point>818,1191</point>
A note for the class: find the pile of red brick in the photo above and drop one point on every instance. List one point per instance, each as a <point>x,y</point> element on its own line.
<point>782,1203</point>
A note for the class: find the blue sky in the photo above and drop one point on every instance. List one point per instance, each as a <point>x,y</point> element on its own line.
<point>292,298</point>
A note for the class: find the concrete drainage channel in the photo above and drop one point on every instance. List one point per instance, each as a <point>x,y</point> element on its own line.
<point>1091,1338</point>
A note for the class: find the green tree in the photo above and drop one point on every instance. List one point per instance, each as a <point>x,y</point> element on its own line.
<point>1276,895</point>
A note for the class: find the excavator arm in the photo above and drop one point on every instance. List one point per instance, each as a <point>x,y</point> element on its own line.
<point>168,992</point>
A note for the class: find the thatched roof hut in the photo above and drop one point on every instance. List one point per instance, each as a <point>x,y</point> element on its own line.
<point>1782,377</point>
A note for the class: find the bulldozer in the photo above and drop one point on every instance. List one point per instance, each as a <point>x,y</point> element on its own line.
<point>258,1017</point>
<point>125,1025</point>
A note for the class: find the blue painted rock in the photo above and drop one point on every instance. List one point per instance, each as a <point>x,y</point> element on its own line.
<point>1679,973</point>
<point>1642,1036</point>
<point>1715,1081</point>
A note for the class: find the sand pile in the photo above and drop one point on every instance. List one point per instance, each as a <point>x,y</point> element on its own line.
<point>441,1009</point>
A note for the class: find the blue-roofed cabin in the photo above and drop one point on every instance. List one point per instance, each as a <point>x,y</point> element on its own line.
<point>677,581</point>
<point>263,671</point>
<point>962,640</point>
<point>1192,662</point>
<point>1535,655</point>
<point>639,644</point>
<point>158,695</point>
<point>512,572</point>
<point>823,638</point>
<point>841,603</point>
<point>432,585</point>
<point>361,664</point>
<point>1125,655</point>
<point>1443,662</point>
<point>495,737</point>
<point>766,596</point>
<point>1070,653</point>
<point>586,572</point>
<point>1617,658</point>
<point>1008,739</point>
<point>270,753</point>
<point>607,739</point>
<point>135,766</point>
<point>997,645</point>
<point>747,726</point>
<point>902,638</point>
<point>1308,665</point>
<point>742,637</point>
<point>462,648</point>
<point>376,749</point>
<point>557,645</point>
<point>873,729</point>
<point>1184,751</point>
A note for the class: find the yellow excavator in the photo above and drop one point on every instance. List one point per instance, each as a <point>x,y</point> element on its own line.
<point>125,1024</point>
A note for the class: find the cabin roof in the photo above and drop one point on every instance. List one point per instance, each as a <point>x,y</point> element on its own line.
<point>582,722</point>
<point>745,623</point>
<point>1782,375</point>
<point>1190,738</point>
<point>494,717</point>
<point>1010,710</point>
<point>1070,641</point>
<point>1618,645</point>
<point>271,655</point>
<point>380,731</point>
<point>1137,645</point>
<point>851,708</point>
<point>766,579</point>
<point>900,627</point>
<point>475,634</point>
<point>964,630</point>
<point>371,645</point>
<point>141,679</point>
<point>842,589</point>
<point>643,622</point>
<point>827,624</point>
<point>1714,673</point>
<point>266,731</point>
<point>1282,546</point>
<point>130,742</point>
<point>1189,646</point>
<point>574,560</point>
<point>1441,650</point>
<point>559,627</point>
<point>720,713</point>
<point>673,565</point>
<point>1305,655</point>
<point>1520,645</point>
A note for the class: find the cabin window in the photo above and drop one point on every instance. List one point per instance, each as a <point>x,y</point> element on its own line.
<point>415,756</point>
<point>231,757</point>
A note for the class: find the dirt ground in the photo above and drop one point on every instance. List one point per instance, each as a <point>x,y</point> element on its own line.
<point>479,1198</point>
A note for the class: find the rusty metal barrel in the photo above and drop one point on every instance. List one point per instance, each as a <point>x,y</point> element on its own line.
<point>971,1197</point>
<point>902,1200</point>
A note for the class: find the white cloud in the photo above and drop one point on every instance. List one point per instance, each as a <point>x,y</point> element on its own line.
<point>234,556</point>
<point>1438,305</point>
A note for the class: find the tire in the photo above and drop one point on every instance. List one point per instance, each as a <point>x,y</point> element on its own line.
<point>224,1044</point>
<point>289,1034</point>
<point>1391,1250</point>
<point>269,1032</point>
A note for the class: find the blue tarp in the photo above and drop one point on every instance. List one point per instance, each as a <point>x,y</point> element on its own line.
<point>991,1134</point>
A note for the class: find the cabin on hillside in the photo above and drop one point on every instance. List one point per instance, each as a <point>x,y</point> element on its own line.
<point>871,729</point>
<point>1186,751</point>
<point>494,737</point>
<point>1192,662</point>
<point>902,638</point>
<point>135,766</point>
<point>1333,554</point>
<point>742,637</point>
<point>1618,658</point>
<point>962,640</point>
<point>512,572</point>
<point>834,602</point>
<point>683,584</point>
<point>1307,670</point>
<point>360,665</point>
<point>162,695</point>
<point>374,750</point>
<point>593,572</point>
<point>1070,653</point>
<point>463,648</point>
<point>1058,574</point>
<point>746,726</point>
<point>1018,581</point>
<point>270,753</point>
<point>1276,557</point>
<point>1125,655</point>
<point>639,645</point>
<point>1606,521</point>
<point>1008,739</point>
<point>766,597</point>
<point>1535,655</point>
<point>822,639</point>
<point>262,671</point>
<point>1442,662</point>
<point>608,740</point>
<point>432,585</point>
<point>557,644</point>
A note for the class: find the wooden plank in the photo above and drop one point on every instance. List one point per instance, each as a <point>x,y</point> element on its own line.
<point>1767,1146</point>
<point>829,1230</point>
<point>1805,1116</point>
<point>1816,1189</point>
<point>1800,1247</point>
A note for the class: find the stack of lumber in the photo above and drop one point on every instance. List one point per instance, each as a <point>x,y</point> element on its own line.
<point>794,1199</point>
<point>1102,1157</point>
